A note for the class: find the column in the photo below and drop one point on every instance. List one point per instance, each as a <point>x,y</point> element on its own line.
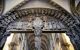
<point>37,39</point>
<point>37,24</point>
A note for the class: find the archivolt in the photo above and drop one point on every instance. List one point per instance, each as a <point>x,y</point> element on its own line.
<point>68,20</point>
<point>65,18</point>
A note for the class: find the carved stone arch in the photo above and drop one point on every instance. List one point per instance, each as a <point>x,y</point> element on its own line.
<point>64,18</point>
<point>15,15</point>
<point>22,13</point>
<point>24,2</point>
<point>71,22</point>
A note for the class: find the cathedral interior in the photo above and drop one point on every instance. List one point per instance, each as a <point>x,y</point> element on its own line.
<point>39,24</point>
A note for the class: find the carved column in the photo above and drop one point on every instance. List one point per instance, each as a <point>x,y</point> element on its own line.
<point>37,24</point>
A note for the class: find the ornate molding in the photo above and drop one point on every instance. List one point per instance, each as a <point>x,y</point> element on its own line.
<point>66,19</point>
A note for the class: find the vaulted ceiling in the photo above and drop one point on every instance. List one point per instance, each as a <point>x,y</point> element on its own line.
<point>10,4</point>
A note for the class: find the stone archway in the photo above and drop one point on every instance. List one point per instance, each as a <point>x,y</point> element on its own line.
<point>70,22</point>
<point>47,20</point>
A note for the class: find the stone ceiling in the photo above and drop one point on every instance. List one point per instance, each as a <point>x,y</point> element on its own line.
<point>9,4</point>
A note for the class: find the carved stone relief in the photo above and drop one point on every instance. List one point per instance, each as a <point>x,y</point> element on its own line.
<point>37,24</point>
<point>31,22</point>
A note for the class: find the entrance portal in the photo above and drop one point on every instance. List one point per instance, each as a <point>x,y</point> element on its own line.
<point>38,33</point>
